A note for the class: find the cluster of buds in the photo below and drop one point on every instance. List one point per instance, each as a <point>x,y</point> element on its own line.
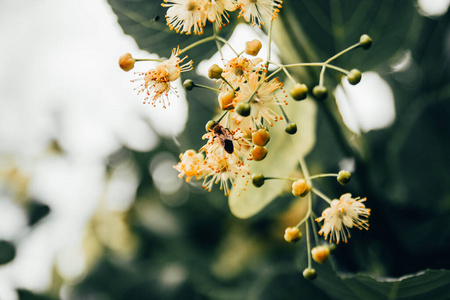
<point>249,96</point>
<point>341,215</point>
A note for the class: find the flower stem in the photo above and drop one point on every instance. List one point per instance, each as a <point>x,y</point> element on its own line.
<point>226,43</point>
<point>280,178</point>
<point>321,195</point>
<point>304,167</point>
<point>223,115</point>
<point>219,47</point>
<point>269,46</point>
<point>207,87</point>
<point>308,244</point>
<point>323,175</point>
<point>314,229</point>
<point>197,43</point>
<point>149,59</point>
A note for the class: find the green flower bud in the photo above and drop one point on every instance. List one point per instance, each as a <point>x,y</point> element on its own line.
<point>209,125</point>
<point>365,41</point>
<point>243,109</point>
<point>344,177</point>
<point>290,128</point>
<point>309,274</point>
<point>299,91</point>
<point>258,180</point>
<point>188,84</point>
<point>320,92</point>
<point>354,77</point>
<point>215,72</point>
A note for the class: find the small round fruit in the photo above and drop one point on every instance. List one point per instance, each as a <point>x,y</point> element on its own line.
<point>299,91</point>
<point>320,92</point>
<point>365,41</point>
<point>309,274</point>
<point>188,84</point>
<point>243,109</point>
<point>258,179</point>
<point>259,153</point>
<point>290,128</point>
<point>344,177</point>
<point>260,137</point>
<point>354,77</point>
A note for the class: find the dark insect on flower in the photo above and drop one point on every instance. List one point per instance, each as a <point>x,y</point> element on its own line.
<point>155,19</point>
<point>224,136</point>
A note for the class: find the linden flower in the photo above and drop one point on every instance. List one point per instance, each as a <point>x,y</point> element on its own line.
<point>241,147</point>
<point>223,170</point>
<point>239,69</point>
<point>216,10</point>
<point>255,11</point>
<point>156,84</point>
<point>261,93</point>
<point>182,15</point>
<point>341,215</point>
<point>191,165</point>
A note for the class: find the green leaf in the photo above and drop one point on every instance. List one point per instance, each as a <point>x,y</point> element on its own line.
<point>319,29</point>
<point>7,252</point>
<point>429,284</point>
<point>282,159</point>
<point>145,22</point>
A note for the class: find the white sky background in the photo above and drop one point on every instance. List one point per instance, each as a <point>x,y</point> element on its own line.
<point>59,79</point>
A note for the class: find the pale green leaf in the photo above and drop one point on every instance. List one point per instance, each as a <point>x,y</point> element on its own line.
<point>282,159</point>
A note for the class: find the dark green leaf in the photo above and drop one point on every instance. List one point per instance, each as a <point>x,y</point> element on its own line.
<point>7,252</point>
<point>429,284</point>
<point>324,28</point>
<point>145,22</point>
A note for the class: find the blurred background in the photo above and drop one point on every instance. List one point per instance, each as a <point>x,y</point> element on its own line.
<point>91,207</point>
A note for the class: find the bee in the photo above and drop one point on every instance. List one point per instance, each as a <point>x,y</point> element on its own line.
<point>224,136</point>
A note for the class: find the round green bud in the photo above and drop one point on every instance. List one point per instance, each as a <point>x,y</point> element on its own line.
<point>365,41</point>
<point>258,180</point>
<point>188,84</point>
<point>243,109</point>
<point>290,128</point>
<point>354,77</point>
<point>299,91</point>
<point>309,274</point>
<point>344,177</point>
<point>320,92</point>
<point>209,125</point>
<point>215,72</point>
